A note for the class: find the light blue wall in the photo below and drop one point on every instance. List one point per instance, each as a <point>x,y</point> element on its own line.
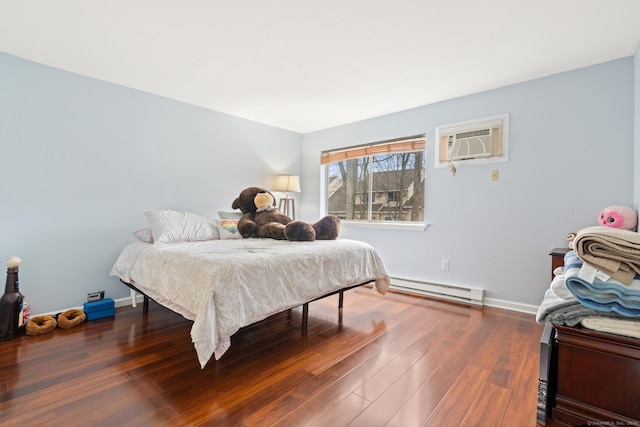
<point>571,154</point>
<point>80,159</point>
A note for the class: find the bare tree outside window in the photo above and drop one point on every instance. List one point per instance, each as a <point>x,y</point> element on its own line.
<point>379,187</point>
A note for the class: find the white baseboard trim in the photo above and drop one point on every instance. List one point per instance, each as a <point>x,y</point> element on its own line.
<point>126,301</point>
<point>511,305</point>
<point>120,302</point>
<point>489,302</point>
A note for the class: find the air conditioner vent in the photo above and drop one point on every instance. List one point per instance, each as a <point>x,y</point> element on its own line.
<point>476,141</point>
<point>481,132</point>
<point>470,145</point>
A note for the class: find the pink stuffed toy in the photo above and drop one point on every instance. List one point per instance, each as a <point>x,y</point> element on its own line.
<point>622,217</point>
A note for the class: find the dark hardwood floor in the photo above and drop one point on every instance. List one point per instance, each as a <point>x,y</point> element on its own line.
<point>394,360</point>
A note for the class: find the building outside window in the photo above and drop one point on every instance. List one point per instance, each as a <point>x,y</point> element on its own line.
<point>384,181</point>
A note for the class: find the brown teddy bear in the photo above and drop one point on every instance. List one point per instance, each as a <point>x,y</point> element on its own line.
<point>261,218</point>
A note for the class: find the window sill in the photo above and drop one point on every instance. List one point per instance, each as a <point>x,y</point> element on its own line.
<point>388,225</point>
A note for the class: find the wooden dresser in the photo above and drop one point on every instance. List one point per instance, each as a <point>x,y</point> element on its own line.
<point>597,379</point>
<point>588,377</point>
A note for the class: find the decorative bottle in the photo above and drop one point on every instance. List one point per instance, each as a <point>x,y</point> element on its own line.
<point>11,302</point>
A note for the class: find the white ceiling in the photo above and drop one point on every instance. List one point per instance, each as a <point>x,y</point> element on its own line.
<point>307,65</point>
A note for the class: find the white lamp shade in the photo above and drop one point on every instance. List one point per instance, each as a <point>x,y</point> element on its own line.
<point>288,183</point>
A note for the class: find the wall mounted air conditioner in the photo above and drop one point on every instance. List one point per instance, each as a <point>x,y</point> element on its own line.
<point>483,140</point>
<point>473,144</point>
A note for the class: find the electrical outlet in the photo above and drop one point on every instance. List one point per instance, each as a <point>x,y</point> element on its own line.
<point>95,296</point>
<point>494,174</point>
<point>445,265</point>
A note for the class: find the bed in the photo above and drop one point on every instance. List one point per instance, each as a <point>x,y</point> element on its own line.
<point>224,285</point>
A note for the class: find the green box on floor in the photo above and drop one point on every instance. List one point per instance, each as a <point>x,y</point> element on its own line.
<point>98,309</point>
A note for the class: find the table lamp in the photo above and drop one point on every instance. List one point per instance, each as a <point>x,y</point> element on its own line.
<point>288,184</point>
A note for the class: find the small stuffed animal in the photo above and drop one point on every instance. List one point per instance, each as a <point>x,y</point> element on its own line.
<point>261,218</point>
<point>570,238</point>
<point>621,217</point>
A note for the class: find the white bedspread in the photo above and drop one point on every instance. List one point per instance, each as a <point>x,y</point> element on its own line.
<point>223,285</point>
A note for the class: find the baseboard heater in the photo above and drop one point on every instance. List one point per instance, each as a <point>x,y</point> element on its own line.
<point>469,295</point>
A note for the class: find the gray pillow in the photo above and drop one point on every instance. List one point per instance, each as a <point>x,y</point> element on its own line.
<point>230,215</point>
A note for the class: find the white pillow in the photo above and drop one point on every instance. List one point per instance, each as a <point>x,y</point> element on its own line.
<point>173,227</point>
<point>144,235</point>
<point>228,229</point>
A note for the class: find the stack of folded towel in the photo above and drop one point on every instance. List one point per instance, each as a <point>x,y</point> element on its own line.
<point>599,286</point>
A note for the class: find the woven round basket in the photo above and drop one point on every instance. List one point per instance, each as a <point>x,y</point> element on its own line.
<point>71,318</point>
<point>39,325</point>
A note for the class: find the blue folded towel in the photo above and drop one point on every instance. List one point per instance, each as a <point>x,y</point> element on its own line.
<point>600,294</point>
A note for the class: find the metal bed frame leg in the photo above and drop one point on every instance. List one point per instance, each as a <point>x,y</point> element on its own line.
<point>134,296</point>
<point>305,317</point>
<point>305,311</point>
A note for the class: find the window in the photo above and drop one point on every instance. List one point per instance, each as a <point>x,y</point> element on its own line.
<point>377,182</point>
